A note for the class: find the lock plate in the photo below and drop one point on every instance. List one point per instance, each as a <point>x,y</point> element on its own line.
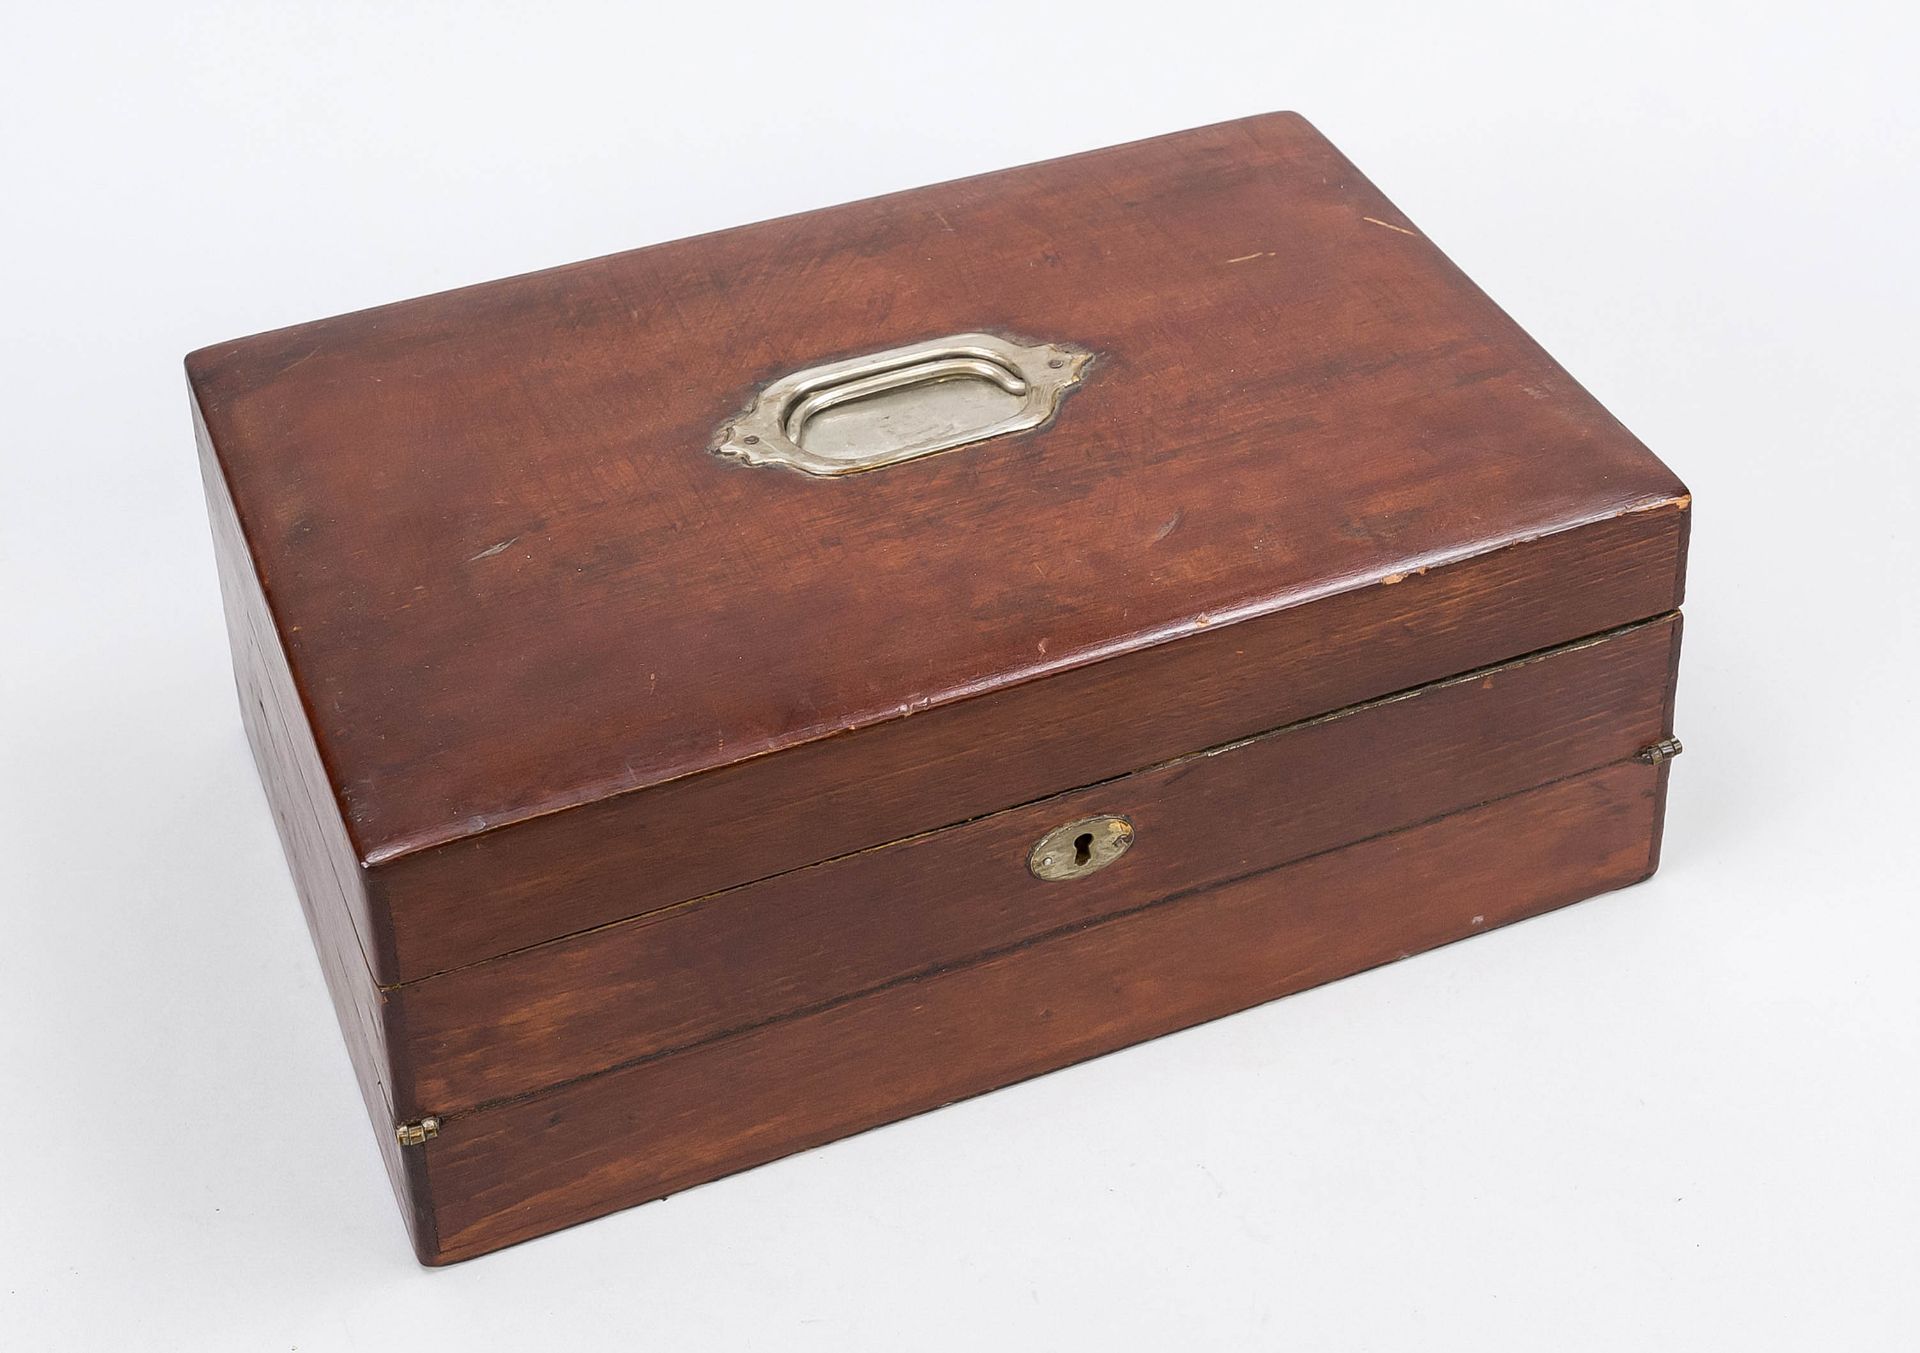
<point>1076,849</point>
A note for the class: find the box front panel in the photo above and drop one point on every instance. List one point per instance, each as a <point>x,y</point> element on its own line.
<point>1442,810</point>
<point>533,1165</point>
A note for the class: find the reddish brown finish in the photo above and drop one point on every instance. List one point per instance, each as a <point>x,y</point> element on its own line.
<point>509,1173</point>
<point>582,1005</point>
<point>510,580</point>
<point>655,816</point>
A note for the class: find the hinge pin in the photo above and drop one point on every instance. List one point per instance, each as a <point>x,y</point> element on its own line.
<point>1664,750</point>
<point>413,1134</point>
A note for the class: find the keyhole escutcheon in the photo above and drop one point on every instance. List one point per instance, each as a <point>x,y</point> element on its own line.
<point>1075,849</point>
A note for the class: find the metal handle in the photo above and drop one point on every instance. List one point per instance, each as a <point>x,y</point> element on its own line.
<point>902,403</point>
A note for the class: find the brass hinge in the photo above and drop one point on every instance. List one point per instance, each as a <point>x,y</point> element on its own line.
<point>1664,750</point>
<point>413,1134</point>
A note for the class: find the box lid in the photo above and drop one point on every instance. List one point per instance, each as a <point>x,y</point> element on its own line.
<point>513,579</point>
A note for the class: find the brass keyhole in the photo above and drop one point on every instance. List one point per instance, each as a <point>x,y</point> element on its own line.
<point>1076,849</point>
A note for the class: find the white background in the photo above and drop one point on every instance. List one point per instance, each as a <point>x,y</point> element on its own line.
<point>1686,1116</point>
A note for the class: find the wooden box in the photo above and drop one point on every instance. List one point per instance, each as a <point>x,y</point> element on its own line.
<point>722,697</point>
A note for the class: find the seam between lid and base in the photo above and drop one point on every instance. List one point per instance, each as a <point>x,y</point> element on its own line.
<point>1345,711</point>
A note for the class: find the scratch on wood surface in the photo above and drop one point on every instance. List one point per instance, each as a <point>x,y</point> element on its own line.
<point>1375,220</point>
<point>1265,253</point>
<point>492,550</point>
<point>1167,530</point>
<point>303,357</point>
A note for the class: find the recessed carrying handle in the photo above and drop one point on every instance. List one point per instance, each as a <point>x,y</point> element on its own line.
<point>903,403</point>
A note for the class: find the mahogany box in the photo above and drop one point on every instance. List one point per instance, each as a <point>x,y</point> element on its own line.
<point>719,698</point>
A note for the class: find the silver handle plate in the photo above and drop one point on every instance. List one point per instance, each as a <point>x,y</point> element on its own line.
<point>903,403</point>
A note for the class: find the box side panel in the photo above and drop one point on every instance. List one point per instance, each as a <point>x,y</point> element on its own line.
<point>622,857</point>
<point>580,1151</point>
<point>326,875</point>
<point>518,1024</point>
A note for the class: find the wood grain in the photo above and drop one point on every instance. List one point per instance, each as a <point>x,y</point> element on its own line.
<point>515,1171</point>
<point>756,953</point>
<point>513,586</point>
